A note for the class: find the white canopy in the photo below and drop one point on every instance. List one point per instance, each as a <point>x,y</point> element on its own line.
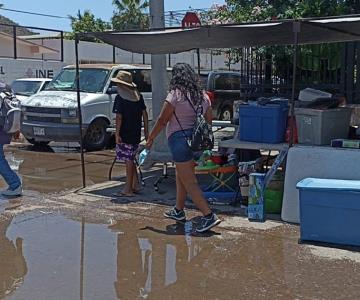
<point>312,31</point>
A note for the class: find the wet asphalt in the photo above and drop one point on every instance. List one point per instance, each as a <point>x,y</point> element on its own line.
<point>60,243</point>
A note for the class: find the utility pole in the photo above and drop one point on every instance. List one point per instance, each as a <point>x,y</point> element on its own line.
<point>158,72</point>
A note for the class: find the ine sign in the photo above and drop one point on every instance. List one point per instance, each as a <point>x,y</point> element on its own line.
<point>190,20</point>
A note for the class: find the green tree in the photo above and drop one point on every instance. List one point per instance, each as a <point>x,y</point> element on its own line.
<point>130,14</point>
<point>313,58</point>
<point>87,22</point>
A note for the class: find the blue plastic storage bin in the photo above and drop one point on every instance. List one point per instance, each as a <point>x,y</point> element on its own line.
<point>330,211</point>
<point>263,123</point>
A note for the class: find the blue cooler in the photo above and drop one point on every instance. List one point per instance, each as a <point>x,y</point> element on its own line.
<point>263,123</point>
<point>330,211</point>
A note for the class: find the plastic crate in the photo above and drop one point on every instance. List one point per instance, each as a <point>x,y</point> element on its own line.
<point>263,124</point>
<point>330,211</point>
<point>319,127</point>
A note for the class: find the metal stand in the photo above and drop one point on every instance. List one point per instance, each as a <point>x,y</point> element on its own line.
<point>164,175</point>
<point>139,173</point>
<point>142,179</point>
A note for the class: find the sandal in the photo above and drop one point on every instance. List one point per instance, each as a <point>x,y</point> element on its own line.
<point>122,194</point>
<point>137,191</point>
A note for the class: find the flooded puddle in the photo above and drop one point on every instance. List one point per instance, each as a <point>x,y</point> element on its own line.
<point>47,256</point>
<point>48,172</point>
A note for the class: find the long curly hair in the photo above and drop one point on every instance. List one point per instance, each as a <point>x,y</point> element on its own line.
<point>187,81</point>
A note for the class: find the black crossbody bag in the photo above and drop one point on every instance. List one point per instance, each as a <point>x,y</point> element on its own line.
<point>202,137</point>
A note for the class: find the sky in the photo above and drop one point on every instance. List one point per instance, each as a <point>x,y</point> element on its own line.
<point>100,8</point>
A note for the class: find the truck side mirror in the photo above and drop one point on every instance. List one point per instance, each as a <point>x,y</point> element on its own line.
<point>112,90</point>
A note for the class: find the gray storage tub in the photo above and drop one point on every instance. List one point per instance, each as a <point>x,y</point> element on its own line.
<point>319,127</point>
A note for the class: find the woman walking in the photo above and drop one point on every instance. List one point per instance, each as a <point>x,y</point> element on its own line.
<point>130,111</point>
<point>178,116</point>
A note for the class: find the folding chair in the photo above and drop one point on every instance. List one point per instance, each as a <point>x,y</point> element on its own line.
<point>221,178</point>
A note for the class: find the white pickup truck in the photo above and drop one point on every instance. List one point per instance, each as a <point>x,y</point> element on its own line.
<point>52,114</point>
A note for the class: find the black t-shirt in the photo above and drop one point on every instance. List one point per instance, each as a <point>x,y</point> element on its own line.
<point>131,112</point>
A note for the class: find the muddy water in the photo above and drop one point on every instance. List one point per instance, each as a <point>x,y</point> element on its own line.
<point>48,172</point>
<point>50,257</point>
<point>57,167</point>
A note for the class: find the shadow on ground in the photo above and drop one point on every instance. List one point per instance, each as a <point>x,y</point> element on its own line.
<point>166,194</point>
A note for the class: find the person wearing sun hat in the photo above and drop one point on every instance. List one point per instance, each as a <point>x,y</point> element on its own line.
<point>130,110</point>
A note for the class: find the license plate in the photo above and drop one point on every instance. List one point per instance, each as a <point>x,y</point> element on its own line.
<point>39,131</point>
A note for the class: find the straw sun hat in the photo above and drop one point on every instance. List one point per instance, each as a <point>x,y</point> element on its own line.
<point>127,88</point>
<point>125,78</point>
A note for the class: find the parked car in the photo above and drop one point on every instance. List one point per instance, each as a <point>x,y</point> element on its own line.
<point>52,114</point>
<point>223,88</point>
<point>26,87</point>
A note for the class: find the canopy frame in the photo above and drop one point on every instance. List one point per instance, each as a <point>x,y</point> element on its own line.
<point>296,25</point>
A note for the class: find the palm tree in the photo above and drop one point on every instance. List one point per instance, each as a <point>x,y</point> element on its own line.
<point>130,14</point>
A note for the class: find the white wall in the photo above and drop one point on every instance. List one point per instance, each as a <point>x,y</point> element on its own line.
<point>11,69</point>
<point>96,52</point>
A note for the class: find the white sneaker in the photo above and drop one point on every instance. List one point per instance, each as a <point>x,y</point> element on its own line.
<point>13,193</point>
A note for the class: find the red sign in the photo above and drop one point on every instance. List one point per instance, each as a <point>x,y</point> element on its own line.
<point>190,20</point>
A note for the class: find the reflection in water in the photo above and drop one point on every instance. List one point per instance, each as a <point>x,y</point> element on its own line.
<point>12,262</point>
<point>146,256</point>
<point>132,261</point>
<point>170,269</point>
<point>152,261</point>
<point>40,148</point>
<point>13,161</point>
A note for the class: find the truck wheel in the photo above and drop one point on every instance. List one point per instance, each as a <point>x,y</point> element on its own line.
<point>226,114</point>
<point>96,137</point>
<point>38,143</point>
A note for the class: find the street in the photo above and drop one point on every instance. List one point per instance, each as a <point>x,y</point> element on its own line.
<point>61,243</point>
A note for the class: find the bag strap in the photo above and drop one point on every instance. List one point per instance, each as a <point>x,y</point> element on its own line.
<point>192,105</point>
<point>182,129</point>
<point>177,119</point>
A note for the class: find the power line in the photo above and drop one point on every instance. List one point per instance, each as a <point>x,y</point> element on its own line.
<point>33,13</point>
<point>172,17</point>
<point>170,12</point>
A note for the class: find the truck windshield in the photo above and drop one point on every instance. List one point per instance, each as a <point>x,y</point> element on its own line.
<point>91,80</point>
<point>25,87</point>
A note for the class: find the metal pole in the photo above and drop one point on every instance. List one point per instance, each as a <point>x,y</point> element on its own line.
<point>296,30</point>
<point>62,46</point>
<point>198,58</point>
<point>158,72</point>
<point>79,110</point>
<point>82,258</point>
<point>15,42</point>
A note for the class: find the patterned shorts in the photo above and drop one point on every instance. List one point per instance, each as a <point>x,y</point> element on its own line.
<point>126,152</point>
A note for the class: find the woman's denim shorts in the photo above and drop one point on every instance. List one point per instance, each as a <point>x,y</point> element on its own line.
<point>179,147</point>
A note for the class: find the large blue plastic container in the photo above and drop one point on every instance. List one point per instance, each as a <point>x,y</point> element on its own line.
<point>263,123</point>
<point>330,211</point>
